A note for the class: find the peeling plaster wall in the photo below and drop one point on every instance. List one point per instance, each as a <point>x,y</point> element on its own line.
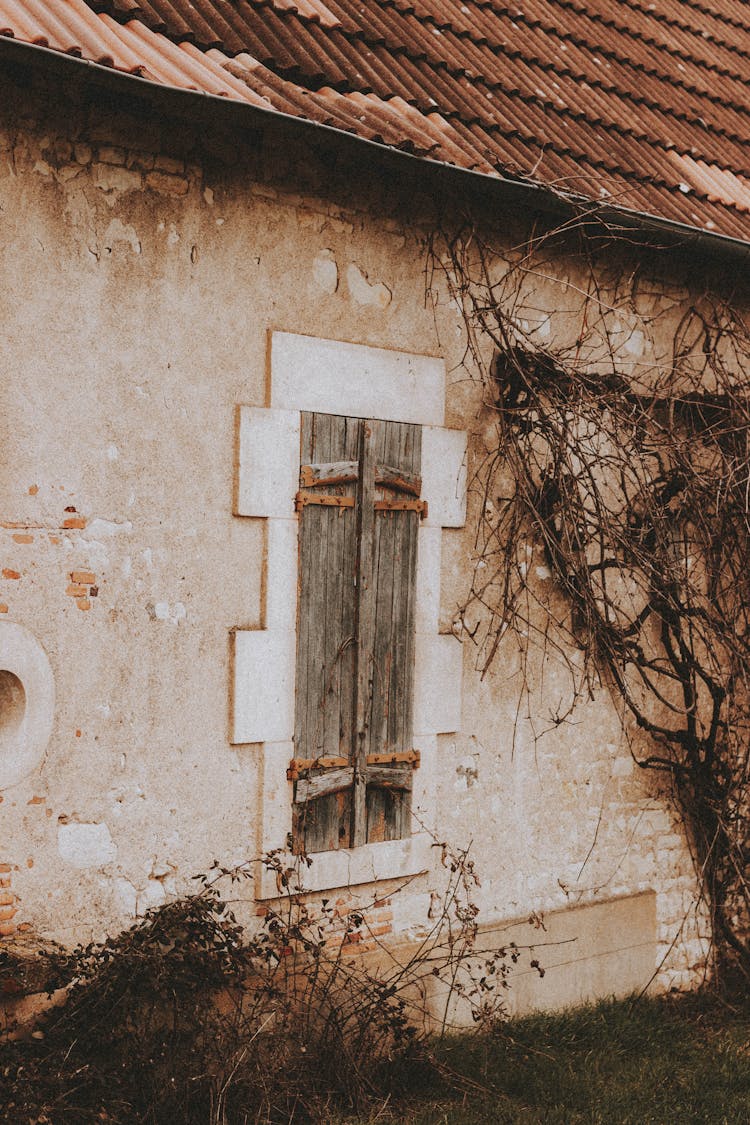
<point>143,265</point>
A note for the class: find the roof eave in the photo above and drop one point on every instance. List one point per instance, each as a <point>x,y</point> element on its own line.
<point>525,193</point>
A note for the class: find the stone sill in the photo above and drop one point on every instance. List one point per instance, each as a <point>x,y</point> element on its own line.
<point>393,859</point>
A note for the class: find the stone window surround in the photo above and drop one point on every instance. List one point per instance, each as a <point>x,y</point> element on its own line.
<point>334,377</point>
<point>24,735</point>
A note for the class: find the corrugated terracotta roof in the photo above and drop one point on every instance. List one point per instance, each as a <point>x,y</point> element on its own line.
<point>641,105</point>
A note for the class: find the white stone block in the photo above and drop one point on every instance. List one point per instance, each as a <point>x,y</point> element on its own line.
<point>334,377</point>
<point>267,462</point>
<point>281,575</point>
<point>86,845</point>
<point>444,476</point>
<point>276,795</point>
<point>438,674</point>
<point>263,698</point>
<point>427,609</point>
<point>423,782</point>
<point>350,867</point>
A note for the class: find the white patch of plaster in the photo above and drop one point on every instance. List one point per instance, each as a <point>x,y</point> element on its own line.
<point>86,845</point>
<point>126,896</point>
<point>163,611</point>
<point>365,292</point>
<point>325,272</point>
<point>635,343</point>
<point>113,453</point>
<point>126,567</point>
<point>173,237</point>
<point>117,231</point>
<point>208,195</point>
<point>152,895</point>
<point>543,572</point>
<point>148,557</point>
<point>105,529</point>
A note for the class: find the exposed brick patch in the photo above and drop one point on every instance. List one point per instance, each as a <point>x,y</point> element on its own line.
<point>23,537</point>
<point>8,573</point>
<point>81,587</point>
<point>74,523</point>
<point>85,577</point>
<point>8,903</point>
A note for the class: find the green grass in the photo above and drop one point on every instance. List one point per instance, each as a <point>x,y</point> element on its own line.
<point>649,1062</point>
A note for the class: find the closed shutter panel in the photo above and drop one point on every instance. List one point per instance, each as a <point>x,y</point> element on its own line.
<point>359,517</point>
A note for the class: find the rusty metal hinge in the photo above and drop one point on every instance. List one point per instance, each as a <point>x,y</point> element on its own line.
<point>402,506</point>
<point>303,498</point>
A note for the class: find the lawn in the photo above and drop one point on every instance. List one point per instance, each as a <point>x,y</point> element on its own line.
<point>667,1062</point>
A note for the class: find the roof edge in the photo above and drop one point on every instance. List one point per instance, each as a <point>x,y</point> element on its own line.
<point>539,196</point>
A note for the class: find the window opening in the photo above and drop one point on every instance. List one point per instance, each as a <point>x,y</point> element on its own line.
<point>359,505</point>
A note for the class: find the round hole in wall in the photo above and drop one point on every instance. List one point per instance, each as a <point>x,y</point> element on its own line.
<point>12,706</point>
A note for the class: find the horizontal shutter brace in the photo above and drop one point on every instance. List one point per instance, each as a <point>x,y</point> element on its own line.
<point>298,766</point>
<point>335,781</point>
<point>347,472</point>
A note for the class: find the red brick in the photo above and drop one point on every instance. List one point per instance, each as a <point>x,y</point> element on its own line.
<point>7,898</point>
<point>7,929</point>
<point>36,801</point>
<point>33,489</point>
<point>5,868</point>
<point>8,912</point>
<point>10,573</point>
<point>3,607</point>
<point>23,537</point>
<point>76,590</point>
<point>73,523</point>
<point>83,603</point>
<point>82,576</point>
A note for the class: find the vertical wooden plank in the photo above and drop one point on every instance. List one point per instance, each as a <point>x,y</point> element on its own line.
<point>389,811</point>
<point>365,627</point>
<point>348,609</point>
<point>327,556</point>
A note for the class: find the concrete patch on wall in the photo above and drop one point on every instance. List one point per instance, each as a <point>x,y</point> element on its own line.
<point>586,952</point>
<point>325,272</point>
<point>86,845</point>
<point>366,292</point>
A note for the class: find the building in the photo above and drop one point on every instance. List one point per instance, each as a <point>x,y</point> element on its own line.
<point>226,326</point>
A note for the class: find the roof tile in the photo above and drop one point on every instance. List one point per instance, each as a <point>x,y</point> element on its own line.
<point>641,105</point>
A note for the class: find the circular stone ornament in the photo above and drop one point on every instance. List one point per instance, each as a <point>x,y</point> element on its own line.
<point>27,703</point>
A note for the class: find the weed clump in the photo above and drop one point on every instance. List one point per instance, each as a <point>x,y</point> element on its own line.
<point>186,1017</point>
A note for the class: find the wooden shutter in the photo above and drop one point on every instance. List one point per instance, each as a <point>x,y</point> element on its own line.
<point>359,517</point>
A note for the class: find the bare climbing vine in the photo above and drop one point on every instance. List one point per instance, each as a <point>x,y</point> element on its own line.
<point>625,461</point>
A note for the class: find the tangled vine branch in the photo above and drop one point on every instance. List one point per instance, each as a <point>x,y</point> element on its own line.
<point>634,479</point>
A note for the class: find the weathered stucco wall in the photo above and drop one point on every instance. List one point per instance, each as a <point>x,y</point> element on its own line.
<point>144,262</point>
